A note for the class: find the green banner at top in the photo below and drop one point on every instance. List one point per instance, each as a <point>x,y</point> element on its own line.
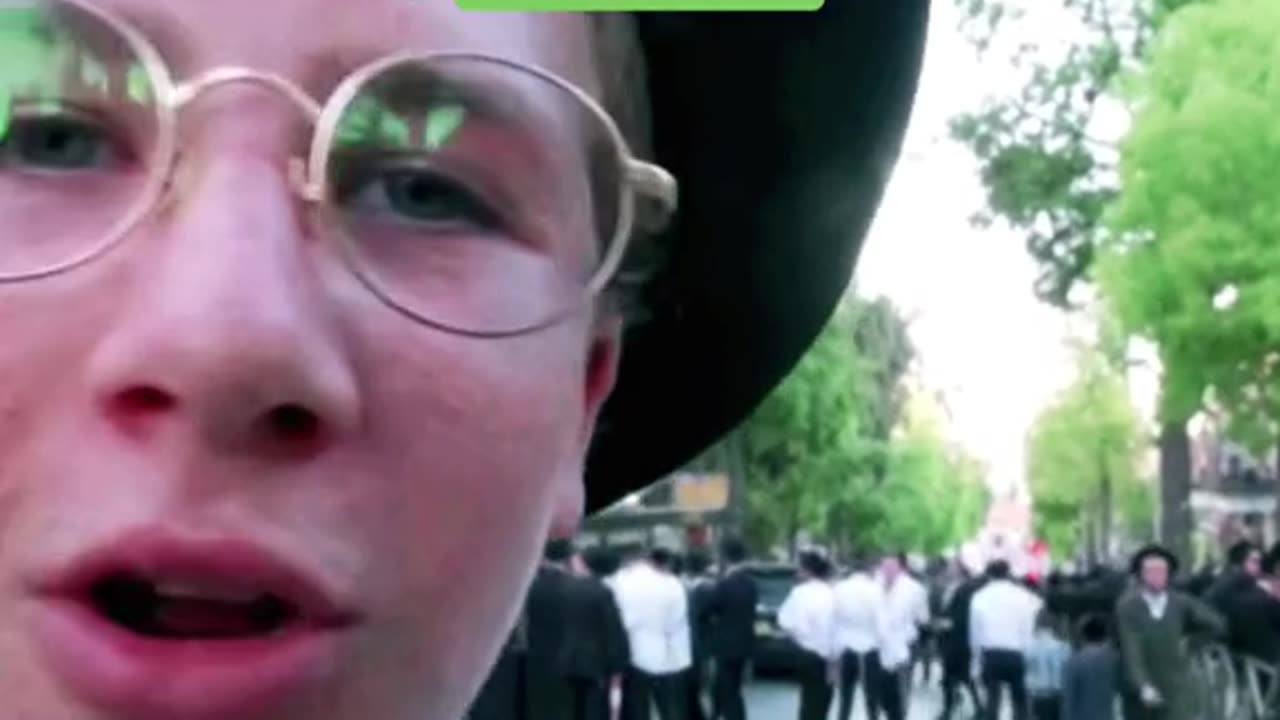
<point>637,5</point>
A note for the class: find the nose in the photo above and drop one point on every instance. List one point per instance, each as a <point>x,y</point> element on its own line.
<point>227,333</point>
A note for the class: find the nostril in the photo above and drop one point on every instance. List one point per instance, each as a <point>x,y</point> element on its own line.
<point>143,399</point>
<point>293,422</point>
<point>135,409</point>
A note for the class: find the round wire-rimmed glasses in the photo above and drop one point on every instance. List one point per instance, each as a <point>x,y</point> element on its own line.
<point>473,193</point>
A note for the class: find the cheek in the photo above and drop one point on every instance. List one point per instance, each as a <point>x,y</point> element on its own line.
<point>41,370</point>
<point>477,439</point>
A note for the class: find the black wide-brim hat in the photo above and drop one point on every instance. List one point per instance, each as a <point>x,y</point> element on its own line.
<point>1153,550</point>
<point>782,129</point>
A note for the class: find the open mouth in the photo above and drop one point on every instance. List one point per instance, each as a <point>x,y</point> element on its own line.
<point>197,592</point>
<point>157,627</point>
<point>172,609</point>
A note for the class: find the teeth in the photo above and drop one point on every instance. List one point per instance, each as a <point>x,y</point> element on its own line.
<point>183,590</point>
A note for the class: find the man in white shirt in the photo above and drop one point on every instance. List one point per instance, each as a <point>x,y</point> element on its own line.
<point>857,599</point>
<point>654,607</point>
<point>919,604</point>
<point>808,617</point>
<point>903,608</point>
<point>1002,623</point>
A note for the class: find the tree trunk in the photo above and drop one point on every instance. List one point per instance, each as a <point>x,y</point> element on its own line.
<point>1105,504</point>
<point>793,538</point>
<point>1088,536</point>
<point>1175,490</point>
<point>1274,536</point>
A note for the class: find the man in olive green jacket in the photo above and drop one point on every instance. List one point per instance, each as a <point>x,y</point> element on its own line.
<point>1153,623</point>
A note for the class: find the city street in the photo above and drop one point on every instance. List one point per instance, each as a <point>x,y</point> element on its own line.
<point>776,700</point>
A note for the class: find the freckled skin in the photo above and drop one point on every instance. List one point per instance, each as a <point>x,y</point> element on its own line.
<point>445,461</point>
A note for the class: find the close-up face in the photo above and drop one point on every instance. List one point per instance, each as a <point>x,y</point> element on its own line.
<point>252,463</point>
<point>1155,573</point>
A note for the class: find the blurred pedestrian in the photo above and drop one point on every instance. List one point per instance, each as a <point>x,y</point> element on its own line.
<point>596,644</point>
<point>1002,623</point>
<point>808,617</point>
<point>732,611</point>
<point>901,611</point>
<point>857,616</point>
<point>655,612</point>
<point>501,697</point>
<point>1153,623</point>
<point>957,656</point>
<point>700,586</point>
<point>1091,677</point>
<point>548,690</point>
<point>1046,662</point>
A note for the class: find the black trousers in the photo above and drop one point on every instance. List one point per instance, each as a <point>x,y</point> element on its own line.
<point>726,693</point>
<point>642,693</point>
<point>590,698</point>
<point>1004,669</point>
<point>927,652</point>
<point>956,675</point>
<point>815,686</point>
<point>855,668</point>
<point>1046,707</point>
<point>693,691</point>
<point>889,687</point>
<point>502,695</point>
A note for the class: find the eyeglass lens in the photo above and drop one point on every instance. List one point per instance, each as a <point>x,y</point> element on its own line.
<point>78,130</point>
<point>471,193</point>
<point>474,189</point>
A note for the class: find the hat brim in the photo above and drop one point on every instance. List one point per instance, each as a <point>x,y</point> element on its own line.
<point>783,129</point>
<point>1135,565</point>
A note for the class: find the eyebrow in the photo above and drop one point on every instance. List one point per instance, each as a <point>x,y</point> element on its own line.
<point>157,26</point>
<point>322,69</point>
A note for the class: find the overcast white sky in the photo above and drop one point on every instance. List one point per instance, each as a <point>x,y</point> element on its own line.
<point>997,354</point>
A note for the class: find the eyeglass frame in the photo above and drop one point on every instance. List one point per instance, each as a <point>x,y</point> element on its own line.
<point>308,175</point>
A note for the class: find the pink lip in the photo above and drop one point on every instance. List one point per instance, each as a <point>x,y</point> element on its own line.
<point>144,678</point>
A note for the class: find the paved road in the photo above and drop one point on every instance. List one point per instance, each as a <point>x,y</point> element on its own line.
<point>773,700</point>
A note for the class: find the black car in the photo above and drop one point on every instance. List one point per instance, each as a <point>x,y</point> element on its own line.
<point>775,653</point>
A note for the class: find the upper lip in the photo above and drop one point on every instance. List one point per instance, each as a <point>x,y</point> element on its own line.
<point>230,563</point>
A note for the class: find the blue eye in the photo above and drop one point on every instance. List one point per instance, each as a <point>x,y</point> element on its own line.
<point>429,197</point>
<point>56,142</point>
<point>416,196</point>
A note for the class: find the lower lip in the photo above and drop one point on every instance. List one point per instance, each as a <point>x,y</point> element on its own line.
<point>140,678</point>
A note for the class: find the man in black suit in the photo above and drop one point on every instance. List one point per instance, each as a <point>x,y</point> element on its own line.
<point>548,690</point>
<point>502,695</point>
<point>731,608</point>
<point>701,587</point>
<point>1252,613</point>
<point>597,648</point>
<point>957,657</point>
<point>577,646</point>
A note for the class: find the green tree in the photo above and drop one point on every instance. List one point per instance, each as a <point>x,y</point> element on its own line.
<point>846,515</point>
<point>802,438</point>
<point>934,496</point>
<point>1084,459</point>
<point>883,352</point>
<point>1195,223</point>
<point>1046,172</point>
<point>834,452</point>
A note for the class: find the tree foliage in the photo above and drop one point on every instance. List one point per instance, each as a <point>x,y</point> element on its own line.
<point>1197,219</point>
<point>935,495</point>
<point>1046,172</point>
<point>803,436</point>
<point>829,452</point>
<point>1084,460</point>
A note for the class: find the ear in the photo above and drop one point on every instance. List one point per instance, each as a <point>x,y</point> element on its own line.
<point>599,377</point>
